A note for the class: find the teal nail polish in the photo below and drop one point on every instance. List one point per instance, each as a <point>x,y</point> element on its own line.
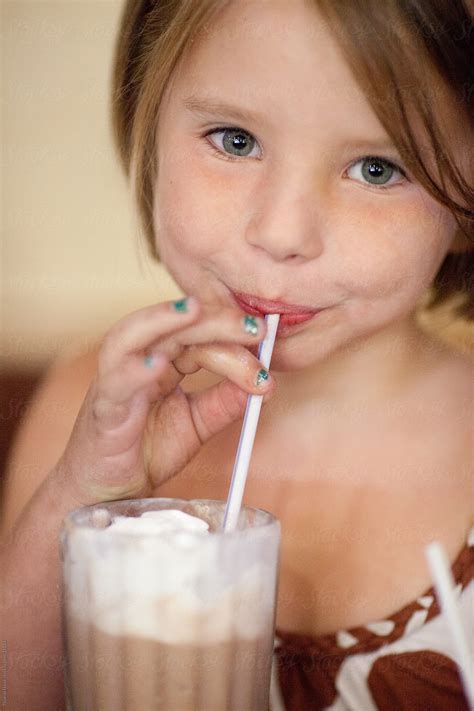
<point>181,305</point>
<point>149,361</point>
<point>262,375</point>
<point>250,325</point>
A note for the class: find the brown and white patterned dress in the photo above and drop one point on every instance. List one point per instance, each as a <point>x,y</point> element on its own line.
<point>403,663</point>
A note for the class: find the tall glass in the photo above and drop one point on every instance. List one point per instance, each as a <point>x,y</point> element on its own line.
<point>172,621</point>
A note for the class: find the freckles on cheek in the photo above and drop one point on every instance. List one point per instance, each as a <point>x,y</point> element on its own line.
<point>398,255</point>
<point>191,210</point>
<point>177,219</point>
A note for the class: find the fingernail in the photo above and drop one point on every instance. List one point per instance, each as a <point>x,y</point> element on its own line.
<point>250,325</point>
<point>262,376</point>
<point>181,305</point>
<point>149,361</point>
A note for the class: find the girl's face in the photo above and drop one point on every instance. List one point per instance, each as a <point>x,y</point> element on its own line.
<point>292,206</point>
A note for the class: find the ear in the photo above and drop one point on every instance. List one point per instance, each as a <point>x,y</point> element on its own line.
<point>461,243</point>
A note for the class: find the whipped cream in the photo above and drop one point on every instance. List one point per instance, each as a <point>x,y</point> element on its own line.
<point>158,522</point>
<point>127,582</point>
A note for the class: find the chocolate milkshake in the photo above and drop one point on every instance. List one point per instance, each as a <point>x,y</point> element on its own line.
<point>162,611</point>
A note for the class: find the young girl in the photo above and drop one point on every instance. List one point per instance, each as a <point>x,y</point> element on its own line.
<point>308,157</point>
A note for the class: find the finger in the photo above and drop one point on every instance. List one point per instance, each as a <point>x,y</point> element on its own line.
<point>230,360</point>
<point>119,384</point>
<point>217,407</point>
<point>140,329</point>
<point>216,324</point>
<point>158,326</point>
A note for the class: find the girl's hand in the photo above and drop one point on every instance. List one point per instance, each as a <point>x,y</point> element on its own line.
<point>136,427</point>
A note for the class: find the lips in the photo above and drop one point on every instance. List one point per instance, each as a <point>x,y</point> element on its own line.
<point>263,306</point>
<point>288,319</point>
<point>285,319</point>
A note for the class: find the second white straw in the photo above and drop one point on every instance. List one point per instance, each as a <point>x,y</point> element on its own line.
<point>444,585</point>
<point>247,434</point>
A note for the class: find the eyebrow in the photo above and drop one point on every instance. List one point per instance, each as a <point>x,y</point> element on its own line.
<point>206,106</point>
<point>209,105</point>
<point>371,146</point>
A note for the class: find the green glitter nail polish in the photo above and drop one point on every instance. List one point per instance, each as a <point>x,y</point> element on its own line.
<point>181,305</point>
<point>262,375</point>
<point>149,361</point>
<point>250,325</point>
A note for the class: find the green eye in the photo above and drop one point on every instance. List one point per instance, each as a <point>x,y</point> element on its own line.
<point>375,171</point>
<point>236,142</point>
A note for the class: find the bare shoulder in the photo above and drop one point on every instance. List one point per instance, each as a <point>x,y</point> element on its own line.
<point>46,425</point>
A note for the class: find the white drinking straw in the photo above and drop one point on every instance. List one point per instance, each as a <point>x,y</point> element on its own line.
<point>444,585</point>
<point>247,434</point>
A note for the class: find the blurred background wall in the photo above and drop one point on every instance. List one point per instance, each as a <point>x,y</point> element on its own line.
<point>71,257</point>
<point>72,262</point>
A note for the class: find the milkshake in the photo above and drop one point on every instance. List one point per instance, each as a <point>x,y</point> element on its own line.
<point>162,611</point>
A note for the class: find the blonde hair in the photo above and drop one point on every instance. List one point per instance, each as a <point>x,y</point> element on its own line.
<point>380,41</point>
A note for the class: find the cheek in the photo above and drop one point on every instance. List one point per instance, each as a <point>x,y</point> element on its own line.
<point>189,216</point>
<point>395,253</point>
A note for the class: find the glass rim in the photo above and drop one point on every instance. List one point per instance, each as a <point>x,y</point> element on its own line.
<point>70,521</point>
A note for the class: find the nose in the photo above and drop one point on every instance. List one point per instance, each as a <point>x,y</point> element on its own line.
<point>286,224</point>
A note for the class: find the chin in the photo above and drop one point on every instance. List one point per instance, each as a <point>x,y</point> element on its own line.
<point>288,358</point>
